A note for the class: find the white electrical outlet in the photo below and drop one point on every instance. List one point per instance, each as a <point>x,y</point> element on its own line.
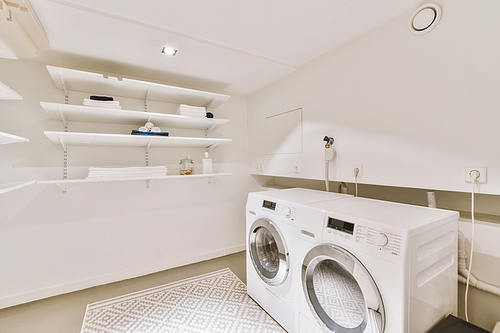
<point>296,168</point>
<point>360,170</point>
<point>469,174</point>
<point>259,167</point>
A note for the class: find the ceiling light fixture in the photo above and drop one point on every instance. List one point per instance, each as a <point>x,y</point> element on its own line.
<point>425,18</point>
<point>169,51</point>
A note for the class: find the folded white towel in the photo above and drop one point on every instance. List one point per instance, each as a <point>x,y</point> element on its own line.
<point>191,111</point>
<point>159,171</point>
<point>102,104</point>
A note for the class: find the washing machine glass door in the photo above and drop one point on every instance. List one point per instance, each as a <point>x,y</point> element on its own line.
<point>340,292</point>
<point>268,252</point>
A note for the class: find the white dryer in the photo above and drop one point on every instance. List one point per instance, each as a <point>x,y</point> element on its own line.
<point>270,233</point>
<point>370,266</point>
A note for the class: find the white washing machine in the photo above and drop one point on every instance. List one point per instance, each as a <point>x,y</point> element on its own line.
<point>370,266</point>
<point>270,224</point>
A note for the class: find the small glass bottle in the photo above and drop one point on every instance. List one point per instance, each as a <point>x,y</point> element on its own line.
<point>186,166</point>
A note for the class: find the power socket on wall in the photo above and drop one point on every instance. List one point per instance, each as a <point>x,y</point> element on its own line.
<point>469,174</point>
<point>360,170</point>
<point>296,168</point>
<point>259,167</point>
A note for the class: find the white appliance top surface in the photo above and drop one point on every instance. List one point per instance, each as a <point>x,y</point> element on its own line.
<point>413,219</point>
<point>301,195</point>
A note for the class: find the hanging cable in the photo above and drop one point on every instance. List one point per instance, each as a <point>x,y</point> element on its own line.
<point>474,179</point>
<point>356,172</point>
<point>327,177</point>
<point>330,154</point>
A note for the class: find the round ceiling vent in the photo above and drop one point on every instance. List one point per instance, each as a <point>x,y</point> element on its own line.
<point>425,18</point>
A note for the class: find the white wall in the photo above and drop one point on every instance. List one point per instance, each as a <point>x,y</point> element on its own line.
<point>412,110</point>
<point>53,243</point>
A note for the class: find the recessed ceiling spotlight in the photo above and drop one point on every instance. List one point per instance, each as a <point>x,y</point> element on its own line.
<point>169,51</point>
<point>425,18</point>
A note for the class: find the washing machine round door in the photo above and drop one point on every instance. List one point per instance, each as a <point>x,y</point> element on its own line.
<point>268,252</point>
<point>340,292</point>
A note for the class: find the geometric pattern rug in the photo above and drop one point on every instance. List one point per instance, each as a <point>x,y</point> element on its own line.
<point>216,302</point>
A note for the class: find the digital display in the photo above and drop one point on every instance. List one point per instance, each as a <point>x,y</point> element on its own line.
<point>269,205</point>
<point>341,225</point>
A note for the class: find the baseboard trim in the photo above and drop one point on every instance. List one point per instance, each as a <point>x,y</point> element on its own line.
<point>39,294</point>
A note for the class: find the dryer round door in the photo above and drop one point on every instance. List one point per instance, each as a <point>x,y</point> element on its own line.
<point>340,292</point>
<point>268,252</point>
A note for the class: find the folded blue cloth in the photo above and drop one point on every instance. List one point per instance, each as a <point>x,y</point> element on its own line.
<point>136,132</point>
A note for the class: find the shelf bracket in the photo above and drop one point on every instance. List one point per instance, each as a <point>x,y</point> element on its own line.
<point>211,102</point>
<point>146,100</point>
<point>208,130</point>
<point>212,178</point>
<point>147,153</point>
<point>64,188</point>
<point>65,122</point>
<point>66,94</point>
<point>148,182</point>
<point>212,146</point>
<point>65,162</point>
<point>62,143</point>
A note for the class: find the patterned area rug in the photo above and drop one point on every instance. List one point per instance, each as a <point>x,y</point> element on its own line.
<point>211,303</point>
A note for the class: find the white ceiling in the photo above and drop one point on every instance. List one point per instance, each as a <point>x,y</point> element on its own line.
<point>231,46</point>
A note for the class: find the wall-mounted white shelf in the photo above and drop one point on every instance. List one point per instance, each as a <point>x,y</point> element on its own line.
<point>127,140</point>
<point>82,113</point>
<point>6,138</point>
<point>64,183</point>
<point>16,187</point>
<point>75,80</point>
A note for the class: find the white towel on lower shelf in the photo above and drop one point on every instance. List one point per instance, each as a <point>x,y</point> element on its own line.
<point>102,104</point>
<point>192,111</point>
<point>128,172</point>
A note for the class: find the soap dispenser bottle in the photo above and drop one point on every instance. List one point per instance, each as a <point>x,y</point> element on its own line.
<point>207,164</point>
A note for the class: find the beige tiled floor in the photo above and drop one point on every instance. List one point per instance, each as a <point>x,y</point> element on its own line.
<point>64,314</point>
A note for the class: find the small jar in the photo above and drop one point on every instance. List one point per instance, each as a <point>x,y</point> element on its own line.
<point>186,166</point>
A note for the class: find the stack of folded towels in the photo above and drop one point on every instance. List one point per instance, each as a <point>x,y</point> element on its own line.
<point>102,102</point>
<point>192,111</point>
<point>130,172</point>
<point>149,129</point>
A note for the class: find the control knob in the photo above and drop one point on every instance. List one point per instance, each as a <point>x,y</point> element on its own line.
<point>381,239</point>
<point>288,212</point>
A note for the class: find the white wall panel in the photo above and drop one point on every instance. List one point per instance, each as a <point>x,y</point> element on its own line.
<point>414,111</point>
<point>53,243</point>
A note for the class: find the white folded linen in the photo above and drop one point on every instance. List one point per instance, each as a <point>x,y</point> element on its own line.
<point>192,111</point>
<point>102,104</point>
<point>127,172</point>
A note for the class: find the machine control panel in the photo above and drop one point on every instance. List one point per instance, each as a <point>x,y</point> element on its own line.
<point>390,244</point>
<point>340,225</point>
<point>269,205</point>
<point>286,211</point>
<point>385,241</point>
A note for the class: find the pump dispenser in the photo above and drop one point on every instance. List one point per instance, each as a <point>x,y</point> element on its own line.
<point>207,164</point>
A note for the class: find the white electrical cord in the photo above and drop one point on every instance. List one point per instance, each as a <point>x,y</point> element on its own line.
<point>356,172</point>
<point>330,154</point>
<point>474,179</point>
<point>327,178</point>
